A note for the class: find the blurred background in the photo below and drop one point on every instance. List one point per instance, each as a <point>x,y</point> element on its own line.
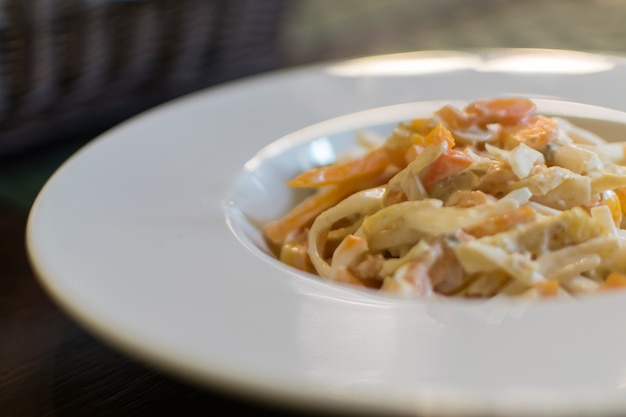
<point>71,69</point>
<point>325,29</point>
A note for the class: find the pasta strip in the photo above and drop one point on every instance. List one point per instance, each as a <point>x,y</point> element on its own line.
<point>488,200</point>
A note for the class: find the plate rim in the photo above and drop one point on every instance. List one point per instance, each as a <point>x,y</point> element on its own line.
<point>159,355</point>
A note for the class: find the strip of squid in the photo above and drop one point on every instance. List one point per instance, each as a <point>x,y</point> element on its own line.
<point>616,258</point>
<point>512,250</point>
<point>572,192</point>
<point>475,134</point>
<point>545,180</point>
<point>607,181</point>
<point>417,250</point>
<point>576,158</point>
<point>613,152</point>
<point>513,288</point>
<point>570,227</point>
<point>413,278</point>
<point>486,284</point>
<point>361,203</point>
<point>477,257</point>
<point>479,162</point>
<point>580,285</point>
<point>394,226</point>
<point>577,134</point>
<point>340,233</point>
<point>523,158</point>
<point>349,251</point>
<point>499,154</point>
<point>576,268</point>
<point>406,183</point>
<point>543,209</point>
<point>428,217</point>
<point>621,238</point>
<point>576,259</point>
<point>603,215</point>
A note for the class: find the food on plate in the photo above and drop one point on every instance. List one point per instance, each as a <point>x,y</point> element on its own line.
<point>484,200</point>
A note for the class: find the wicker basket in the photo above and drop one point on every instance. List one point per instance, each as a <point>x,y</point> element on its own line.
<point>70,69</point>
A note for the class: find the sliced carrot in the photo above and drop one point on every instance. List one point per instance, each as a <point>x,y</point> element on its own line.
<point>371,163</point>
<point>449,163</point>
<point>615,280</point>
<point>537,133</point>
<point>503,110</point>
<point>304,212</point>
<point>326,197</point>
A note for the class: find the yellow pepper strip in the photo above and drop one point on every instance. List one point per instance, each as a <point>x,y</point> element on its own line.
<point>615,280</point>
<point>548,287</point>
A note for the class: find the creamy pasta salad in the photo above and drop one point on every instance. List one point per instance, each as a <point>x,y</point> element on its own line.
<point>487,199</point>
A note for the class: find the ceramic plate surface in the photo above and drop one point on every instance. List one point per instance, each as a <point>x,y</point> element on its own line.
<point>147,237</point>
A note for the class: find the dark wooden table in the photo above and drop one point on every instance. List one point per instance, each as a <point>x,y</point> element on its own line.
<point>49,366</point>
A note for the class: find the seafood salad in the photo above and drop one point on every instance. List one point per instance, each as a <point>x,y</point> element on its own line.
<point>484,200</point>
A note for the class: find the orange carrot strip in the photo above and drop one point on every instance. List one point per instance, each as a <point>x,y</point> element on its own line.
<point>506,111</point>
<point>503,110</point>
<point>454,117</point>
<point>305,212</point>
<point>372,163</point>
<point>449,163</point>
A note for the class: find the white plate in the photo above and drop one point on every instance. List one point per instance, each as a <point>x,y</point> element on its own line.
<point>139,237</point>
